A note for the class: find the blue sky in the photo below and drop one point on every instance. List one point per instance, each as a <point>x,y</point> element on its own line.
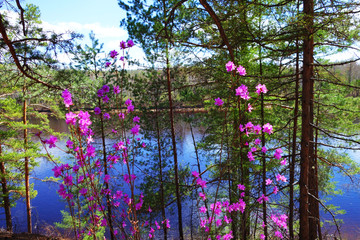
<point>82,16</point>
<point>101,16</point>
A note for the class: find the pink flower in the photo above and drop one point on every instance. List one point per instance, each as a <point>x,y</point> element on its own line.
<point>135,129</point>
<point>195,174</point>
<point>251,156</point>
<point>100,93</point>
<point>218,222</point>
<point>121,116</point>
<point>130,108</point>
<point>97,110</point>
<point>278,234</point>
<point>157,225</point>
<point>107,64</point>
<point>280,177</point>
<point>68,180</point>
<point>136,119</point>
<point>263,198</point>
<point>167,222</point>
<point>106,116</point>
<point>241,70</point>
<point>103,222</point>
<point>283,162</point>
<point>106,89</point>
<point>268,128</point>
<point>107,178</point>
<point>116,90</point>
<point>128,102</point>
<point>275,190</point>
<point>228,236</point>
<point>230,66</point>
<point>268,181</point>
<point>105,99</point>
<point>219,102</point>
<point>130,43</point>
<point>84,122</point>
<point>227,220</point>
<point>201,182</point>
<point>83,191</point>
<point>119,146</point>
<point>66,95</point>
<point>241,187</point>
<point>51,141</point>
<point>113,54</point>
<point>264,149</point>
<point>250,108</point>
<point>261,88</point>
<point>122,45</point>
<point>202,195</point>
<point>242,91</point>
<point>203,209</point>
<point>257,129</point>
<point>69,144</point>
<point>71,118</point>
<point>277,153</point>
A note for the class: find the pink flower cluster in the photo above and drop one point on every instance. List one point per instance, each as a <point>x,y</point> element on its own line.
<point>256,129</point>
<point>230,66</point>
<point>128,44</point>
<point>219,210</point>
<point>66,95</point>
<point>123,45</point>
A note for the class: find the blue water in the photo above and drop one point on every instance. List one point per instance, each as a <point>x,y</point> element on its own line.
<point>47,205</point>
<point>348,201</point>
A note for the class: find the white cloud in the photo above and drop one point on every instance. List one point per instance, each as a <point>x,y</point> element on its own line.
<point>109,35</point>
<point>100,31</point>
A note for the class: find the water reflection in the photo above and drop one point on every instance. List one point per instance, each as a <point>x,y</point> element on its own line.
<point>47,205</point>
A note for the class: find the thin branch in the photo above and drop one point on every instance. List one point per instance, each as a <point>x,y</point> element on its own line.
<point>220,28</point>
<point>16,59</point>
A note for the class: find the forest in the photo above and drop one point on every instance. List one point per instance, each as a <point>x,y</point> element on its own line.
<point>234,126</point>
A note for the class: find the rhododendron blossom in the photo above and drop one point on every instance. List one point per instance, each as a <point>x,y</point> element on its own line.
<point>242,91</point>
<point>267,128</point>
<point>136,119</point>
<point>230,66</point>
<point>70,118</point>
<point>51,141</point>
<point>268,181</point>
<point>241,70</point>
<point>219,102</point>
<point>280,177</point>
<point>130,43</point>
<point>97,110</point>
<point>66,95</point>
<point>195,174</point>
<point>261,88</point>
<point>113,54</point>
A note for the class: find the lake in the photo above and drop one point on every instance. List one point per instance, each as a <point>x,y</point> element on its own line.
<point>47,205</point>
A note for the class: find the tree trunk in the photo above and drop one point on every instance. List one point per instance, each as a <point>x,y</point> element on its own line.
<point>293,154</point>
<point>307,134</point>
<point>6,197</point>
<point>27,174</point>
<point>173,138</point>
<point>162,198</point>
<point>263,154</point>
